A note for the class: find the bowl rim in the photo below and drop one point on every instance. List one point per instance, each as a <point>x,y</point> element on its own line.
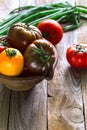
<point>21,78</point>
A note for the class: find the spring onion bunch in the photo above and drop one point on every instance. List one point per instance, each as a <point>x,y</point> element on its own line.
<point>69,16</point>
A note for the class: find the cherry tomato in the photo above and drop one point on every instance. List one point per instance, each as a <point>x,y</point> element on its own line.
<point>11,62</point>
<point>40,56</point>
<point>21,35</point>
<point>76,55</point>
<point>51,30</point>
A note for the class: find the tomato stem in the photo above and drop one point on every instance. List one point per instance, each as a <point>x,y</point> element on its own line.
<point>26,26</point>
<point>80,48</point>
<point>10,53</point>
<point>46,35</point>
<point>44,56</point>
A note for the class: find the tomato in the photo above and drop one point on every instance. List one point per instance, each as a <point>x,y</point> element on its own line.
<point>21,35</point>
<point>3,44</point>
<point>76,55</point>
<point>11,62</point>
<point>40,56</point>
<point>2,48</point>
<point>51,30</point>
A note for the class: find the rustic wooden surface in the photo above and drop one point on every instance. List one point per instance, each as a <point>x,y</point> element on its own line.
<point>67,101</point>
<point>60,104</point>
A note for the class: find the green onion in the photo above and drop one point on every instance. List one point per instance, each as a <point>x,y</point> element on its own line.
<point>69,16</point>
<point>55,16</point>
<point>21,16</point>
<point>71,27</point>
<point>39,15</point>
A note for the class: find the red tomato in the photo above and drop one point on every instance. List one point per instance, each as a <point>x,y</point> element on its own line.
<point>2,48</point>
<point>51,30</point>
<point>77,55</point>
<point>3,44</point>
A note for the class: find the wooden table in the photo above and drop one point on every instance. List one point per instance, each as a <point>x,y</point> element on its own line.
<point>59,104</point>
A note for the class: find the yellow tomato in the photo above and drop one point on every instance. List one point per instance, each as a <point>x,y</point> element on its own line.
<point>11,62</point>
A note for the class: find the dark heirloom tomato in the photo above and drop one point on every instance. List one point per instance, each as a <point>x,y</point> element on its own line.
<point>77,55</point>
<point>21,35</point>
<point>40,56</point>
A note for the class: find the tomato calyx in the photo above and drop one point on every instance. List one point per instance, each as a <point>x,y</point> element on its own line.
<point>80,48</point>
<point>27,26</point>
<point>46,35</point>
<point>44,56</point>
<point>10,53</point>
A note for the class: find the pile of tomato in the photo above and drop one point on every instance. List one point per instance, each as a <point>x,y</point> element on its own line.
<point>30,50</point>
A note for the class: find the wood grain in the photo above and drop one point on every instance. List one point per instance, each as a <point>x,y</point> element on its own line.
<point>82,38</point>
<point>65,101</point>
<point>4,107</point>
<point>65,97</point>
<point>28,110</point>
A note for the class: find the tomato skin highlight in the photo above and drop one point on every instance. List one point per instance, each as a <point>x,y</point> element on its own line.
<point>51,30</point>
<point>77,59</point>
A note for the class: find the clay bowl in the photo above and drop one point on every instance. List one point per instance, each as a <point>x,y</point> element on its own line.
<point>26,83</point>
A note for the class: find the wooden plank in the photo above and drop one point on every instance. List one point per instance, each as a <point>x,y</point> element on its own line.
<point>65,98</point>
<point>82,38</point>
<point>28,110</point>
<point>4,107</point>
<point>65,106</point>
<point>84,93</point>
